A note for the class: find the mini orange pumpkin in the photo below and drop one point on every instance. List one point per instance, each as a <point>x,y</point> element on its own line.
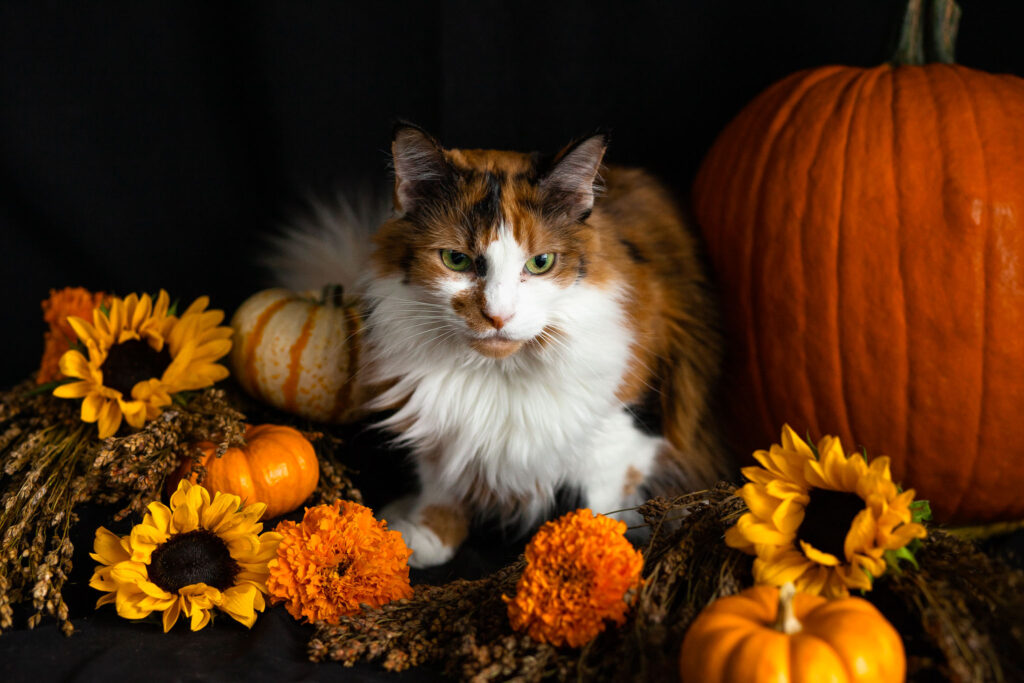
<point>768,634</point>
<point>276,465</point>
<point>299,351</point>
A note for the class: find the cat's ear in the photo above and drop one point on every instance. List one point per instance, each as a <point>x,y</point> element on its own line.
<point>420,166</point>
<point>569,184</point>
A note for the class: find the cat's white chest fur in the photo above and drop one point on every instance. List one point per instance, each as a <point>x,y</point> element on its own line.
<point>520,426</point>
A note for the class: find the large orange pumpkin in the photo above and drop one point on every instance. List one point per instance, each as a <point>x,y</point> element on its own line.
<point>276,465</point>
<point>765,635</point>
<point>299,351</point>
<point>865,226</point>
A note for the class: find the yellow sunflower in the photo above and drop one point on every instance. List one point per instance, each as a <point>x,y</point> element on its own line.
<point>824,521</point>
<point>189,558</point>
<point>138,355</point>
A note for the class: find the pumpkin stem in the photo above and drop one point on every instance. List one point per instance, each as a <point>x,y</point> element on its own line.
<point>332,295</point>
<point>785,621</point>
<point>928,33</point>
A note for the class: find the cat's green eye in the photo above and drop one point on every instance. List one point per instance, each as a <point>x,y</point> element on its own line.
<point>541,263</point>
<point>455,260</point>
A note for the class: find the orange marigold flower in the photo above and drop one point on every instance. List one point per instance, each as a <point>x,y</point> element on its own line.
<point>580,573</point>
<point>76,301</point>
<point>336,559</point>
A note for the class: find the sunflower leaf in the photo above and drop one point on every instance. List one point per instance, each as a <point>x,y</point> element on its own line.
<point>173,309</point>
<point>104,309</point>
<point>893,557</point>
<point>50,386</point>
<point>812,446</point>
<point>183,398</point>
<point>921,511</point>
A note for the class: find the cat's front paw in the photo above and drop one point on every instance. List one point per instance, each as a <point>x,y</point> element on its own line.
<point>432,532</point>
<point>428,550</point>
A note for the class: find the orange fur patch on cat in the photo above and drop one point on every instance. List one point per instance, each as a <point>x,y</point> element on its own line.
<point>449,523</point>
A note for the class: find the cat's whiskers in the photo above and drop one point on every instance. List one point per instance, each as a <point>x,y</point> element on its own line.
<point>369,322</point>
<point>445,321</point>
<point>435,328</point>
<point>417,302</point>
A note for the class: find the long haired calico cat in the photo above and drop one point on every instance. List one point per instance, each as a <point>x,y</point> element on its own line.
<point>533,324</point>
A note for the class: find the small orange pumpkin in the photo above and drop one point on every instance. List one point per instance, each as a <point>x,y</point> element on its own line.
<point>299,351</point>
<point>768,634</point>
<point>276,465</point>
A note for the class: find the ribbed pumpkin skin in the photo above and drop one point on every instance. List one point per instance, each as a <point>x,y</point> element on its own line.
<point>296,353</point>
<point>865,229</point>
<point>277,466</point>
<point>845,640</point>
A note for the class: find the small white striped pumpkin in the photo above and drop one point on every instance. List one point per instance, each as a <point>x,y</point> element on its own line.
<point>299,351</point>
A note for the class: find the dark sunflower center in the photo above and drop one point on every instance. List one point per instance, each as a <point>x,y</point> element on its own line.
<point>131,362</point>
<point>198,556</point>
<point>827,520</point>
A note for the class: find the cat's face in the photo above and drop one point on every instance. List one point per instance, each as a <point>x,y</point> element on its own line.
<point>490,241</point>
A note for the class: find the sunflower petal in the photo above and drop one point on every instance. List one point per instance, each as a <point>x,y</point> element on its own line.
<point>761,504</point>
<point>240,604</point>
<point>154,591</point>
<point>85,332</point>
<point>791,441</point>
<point>171,615</point>
<point>141,311</point>
<point>130,605</point>
<point>782,570</point>
<point>158,516</point>
<point>861,534</point>
<point>74,364</point>
<point>92,406</point>
<point>109,419</point>
<point>108,548</point>
<point>101,579</point>
<point>788,517</point>
<point>134,412</point>
<point>220,510</point>
<point>819,556</point>
<point>197,306</point>
<point>73,390</point>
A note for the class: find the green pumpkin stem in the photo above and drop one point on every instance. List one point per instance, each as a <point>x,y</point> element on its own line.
<point>929,33</point>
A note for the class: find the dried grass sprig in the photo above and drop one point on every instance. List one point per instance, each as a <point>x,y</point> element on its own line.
<point>44,452</point>
<point>461,626</point>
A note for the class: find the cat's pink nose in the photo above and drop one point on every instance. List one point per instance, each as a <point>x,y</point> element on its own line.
<point>498,321</point>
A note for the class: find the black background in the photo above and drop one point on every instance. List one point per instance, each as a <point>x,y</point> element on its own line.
<point>148,145</point>
<point>153,144</point>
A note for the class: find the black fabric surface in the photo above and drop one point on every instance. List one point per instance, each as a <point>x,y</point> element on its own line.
<point>148,145</point>
<point>155,144</point>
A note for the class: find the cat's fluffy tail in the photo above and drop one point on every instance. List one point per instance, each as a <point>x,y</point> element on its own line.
<point>330,245</point>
